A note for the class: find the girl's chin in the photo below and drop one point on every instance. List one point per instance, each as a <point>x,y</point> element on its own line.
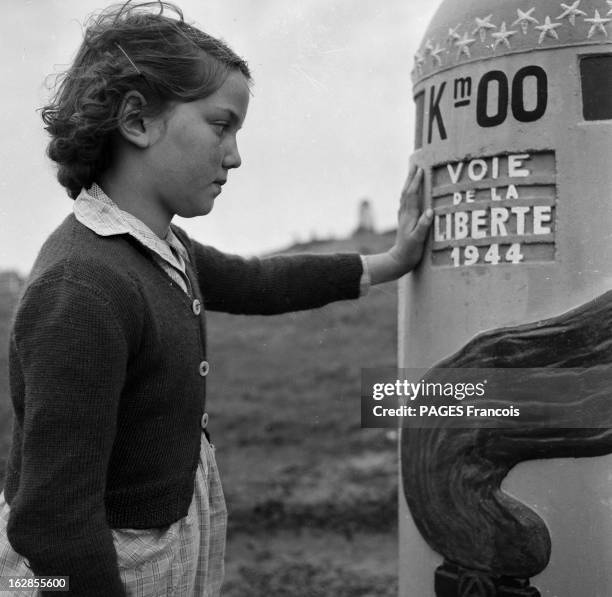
<point>199,206</point>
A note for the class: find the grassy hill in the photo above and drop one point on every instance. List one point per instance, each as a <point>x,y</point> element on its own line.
<point>8,298</point>
<point>311,496</point>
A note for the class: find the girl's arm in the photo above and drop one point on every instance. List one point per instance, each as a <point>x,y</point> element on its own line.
<point>68,361</point>
<point>272,285</point>
<point>283,283</point>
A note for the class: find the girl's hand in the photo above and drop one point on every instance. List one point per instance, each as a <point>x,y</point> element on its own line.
<point>413,226</point>
<point>412,230</point>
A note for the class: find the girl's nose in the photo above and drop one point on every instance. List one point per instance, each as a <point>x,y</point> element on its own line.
<point>232,157</point>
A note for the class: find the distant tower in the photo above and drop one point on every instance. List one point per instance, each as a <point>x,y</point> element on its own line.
<point>365,223</point>
<point>10,284</point>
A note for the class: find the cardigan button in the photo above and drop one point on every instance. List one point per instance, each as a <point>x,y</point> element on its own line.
<point>204,368</point>
<point>204,421</point>
<point>196,307</point>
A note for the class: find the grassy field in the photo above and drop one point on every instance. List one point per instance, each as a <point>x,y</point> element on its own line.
<point>7,302</point>
<point>311,496</point>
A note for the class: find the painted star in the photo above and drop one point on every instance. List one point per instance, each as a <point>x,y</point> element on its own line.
<point>436,54</point>
<point>453,35</point>
<point>502,36</point>
<point>428,46</point>
<point>419,59</point>
<point>598,24</point>
<point>547,29</point>
<point>571,12</point>
<point>464,43</point>
<point>482,26</point>
<point>524,18</point>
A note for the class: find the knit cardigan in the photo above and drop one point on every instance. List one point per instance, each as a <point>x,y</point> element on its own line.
<point>108,390</point>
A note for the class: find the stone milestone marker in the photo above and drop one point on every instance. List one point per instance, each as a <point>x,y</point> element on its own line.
<point>514,131</point>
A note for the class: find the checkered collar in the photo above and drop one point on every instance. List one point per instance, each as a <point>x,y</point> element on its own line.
<point>96,210</point>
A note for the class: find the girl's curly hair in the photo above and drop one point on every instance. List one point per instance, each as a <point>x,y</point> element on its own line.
<point>128,47</point>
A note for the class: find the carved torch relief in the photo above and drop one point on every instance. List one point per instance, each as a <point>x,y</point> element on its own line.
<point>514,130</point>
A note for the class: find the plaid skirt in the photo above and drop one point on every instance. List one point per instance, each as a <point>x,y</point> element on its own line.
<point>185,559</point>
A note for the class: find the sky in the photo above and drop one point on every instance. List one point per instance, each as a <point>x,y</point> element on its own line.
<point>329,124</point>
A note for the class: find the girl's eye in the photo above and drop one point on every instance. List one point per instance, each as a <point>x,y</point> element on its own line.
<point>220,127</point>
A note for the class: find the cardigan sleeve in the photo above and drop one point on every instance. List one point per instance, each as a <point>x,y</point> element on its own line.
<point>72,356</point>
<point>277,284</point>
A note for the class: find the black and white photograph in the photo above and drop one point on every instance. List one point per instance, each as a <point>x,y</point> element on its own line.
<point>306,299</point>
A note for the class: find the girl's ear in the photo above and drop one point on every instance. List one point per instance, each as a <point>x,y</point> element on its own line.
<point>133,125</point>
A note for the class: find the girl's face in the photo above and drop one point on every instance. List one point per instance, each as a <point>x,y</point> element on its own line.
<point>195,148</point>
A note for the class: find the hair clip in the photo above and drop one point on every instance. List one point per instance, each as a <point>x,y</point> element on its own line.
<point>129,59</point>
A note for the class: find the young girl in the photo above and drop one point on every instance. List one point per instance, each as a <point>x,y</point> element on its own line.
<point>111,479</point>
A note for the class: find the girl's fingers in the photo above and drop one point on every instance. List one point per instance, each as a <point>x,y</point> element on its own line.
<point>412,185</point>
<point>421,229</point>
<point>409,177</point>
<point>417,179</point>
